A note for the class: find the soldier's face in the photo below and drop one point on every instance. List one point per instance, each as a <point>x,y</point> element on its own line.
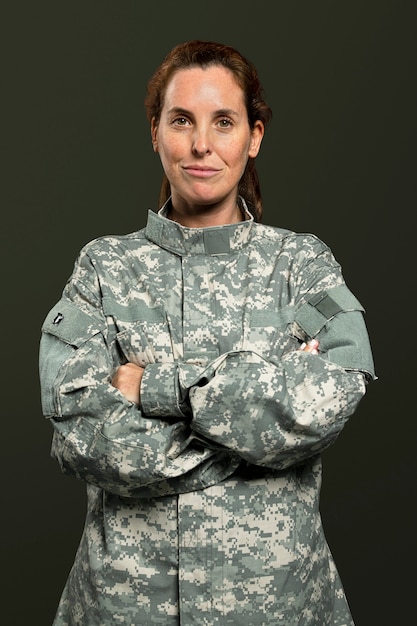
<point>203,136</point>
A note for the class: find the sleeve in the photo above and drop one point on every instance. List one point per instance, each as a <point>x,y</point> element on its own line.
<point>279,409</point>
<point>99,436</point>
<point>273,414</point>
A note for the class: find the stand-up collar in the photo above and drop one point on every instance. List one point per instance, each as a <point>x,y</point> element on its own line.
<point>212,240</point>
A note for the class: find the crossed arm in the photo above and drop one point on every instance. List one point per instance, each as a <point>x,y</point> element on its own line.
<point>128,377</point>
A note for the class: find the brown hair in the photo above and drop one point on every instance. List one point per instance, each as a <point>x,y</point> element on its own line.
<point>203,54</point>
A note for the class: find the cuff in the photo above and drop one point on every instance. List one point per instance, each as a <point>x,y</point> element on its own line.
<point>164,389</point>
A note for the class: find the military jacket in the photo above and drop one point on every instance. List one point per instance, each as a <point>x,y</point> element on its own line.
<point>203,503</point>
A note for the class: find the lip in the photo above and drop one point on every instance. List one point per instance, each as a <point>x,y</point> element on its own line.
<point>200,171</point>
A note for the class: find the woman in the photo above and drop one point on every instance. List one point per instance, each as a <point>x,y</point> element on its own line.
<point>193,372</point>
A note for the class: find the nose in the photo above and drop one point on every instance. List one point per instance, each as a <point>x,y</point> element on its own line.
<point>201,142</point>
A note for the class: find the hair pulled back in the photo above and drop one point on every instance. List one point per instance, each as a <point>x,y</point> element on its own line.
<point>204,54</point>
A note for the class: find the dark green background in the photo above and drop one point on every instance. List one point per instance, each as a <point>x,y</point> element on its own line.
<point>337,160</point>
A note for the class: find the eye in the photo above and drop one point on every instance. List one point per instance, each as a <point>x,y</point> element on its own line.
<point>180,121</point>
<point>225,122</point>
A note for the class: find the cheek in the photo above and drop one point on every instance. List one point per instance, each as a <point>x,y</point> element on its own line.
<point>170,148</point>
<point>238,158</point>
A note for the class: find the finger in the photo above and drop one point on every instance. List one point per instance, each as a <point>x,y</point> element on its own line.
<point>312,346</point>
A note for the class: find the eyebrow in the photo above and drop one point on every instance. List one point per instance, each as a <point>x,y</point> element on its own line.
<point>218,113</point>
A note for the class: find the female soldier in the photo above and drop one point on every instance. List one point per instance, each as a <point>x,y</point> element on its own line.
<point>193,372</point>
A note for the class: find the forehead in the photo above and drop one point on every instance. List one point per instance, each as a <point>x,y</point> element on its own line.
<point>214,85</point>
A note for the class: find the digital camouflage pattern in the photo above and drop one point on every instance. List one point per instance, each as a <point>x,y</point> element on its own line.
<point>203,505</point>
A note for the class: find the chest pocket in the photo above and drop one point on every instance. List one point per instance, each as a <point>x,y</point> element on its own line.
<point>141,333</point>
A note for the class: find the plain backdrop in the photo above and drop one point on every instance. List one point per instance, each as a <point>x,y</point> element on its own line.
<point>338,160</point>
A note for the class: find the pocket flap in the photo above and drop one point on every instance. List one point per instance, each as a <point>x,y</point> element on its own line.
<point>133,312</point>
<point>70,324</point>
<point>323,306</point>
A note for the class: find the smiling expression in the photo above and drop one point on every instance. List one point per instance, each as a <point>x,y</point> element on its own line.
<point>204,140</point>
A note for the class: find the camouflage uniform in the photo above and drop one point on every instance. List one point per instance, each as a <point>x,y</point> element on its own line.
<point>203,505</point>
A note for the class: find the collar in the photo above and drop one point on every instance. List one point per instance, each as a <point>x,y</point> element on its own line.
<point>213,240</point>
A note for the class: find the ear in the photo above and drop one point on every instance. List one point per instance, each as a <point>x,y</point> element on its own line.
<point>257,133</point>
<point>154,131</point>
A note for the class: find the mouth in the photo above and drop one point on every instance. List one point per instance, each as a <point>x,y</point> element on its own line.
<point>200,171</point>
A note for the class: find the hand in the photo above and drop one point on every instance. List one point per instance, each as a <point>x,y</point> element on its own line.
<point>312,346</point>
<point>127,380</point>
